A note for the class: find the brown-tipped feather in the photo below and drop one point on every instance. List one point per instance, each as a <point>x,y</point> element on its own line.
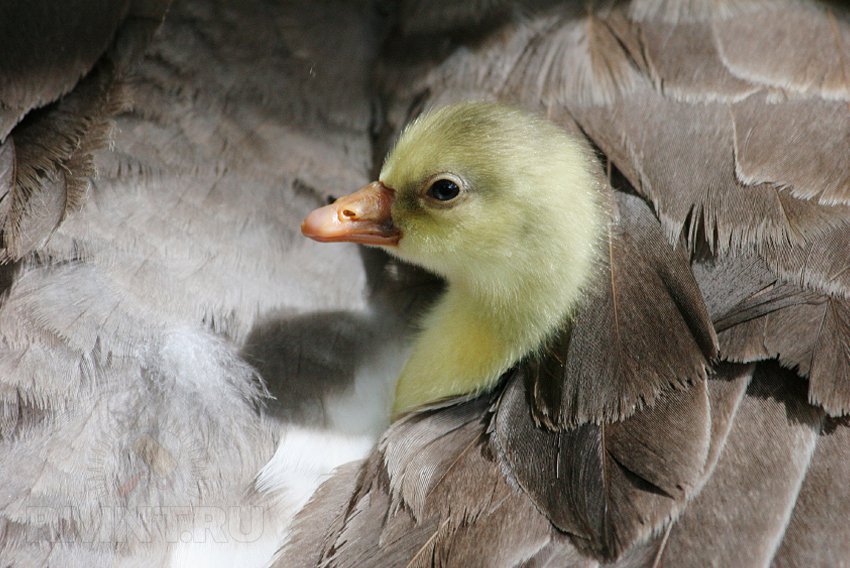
<point>751,493</point>
<point>684,63</point>
<point>806,332</point>
<point>799,47</point>
<point>608,486</point>
<point>319,520</point>
<point>822,265</point>
<point>768,138</point>
<point>646,301</point>
<point>679,155</point>
<point>817,534</point>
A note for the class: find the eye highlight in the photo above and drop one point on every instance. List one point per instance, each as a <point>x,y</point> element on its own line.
<point>443,190</point>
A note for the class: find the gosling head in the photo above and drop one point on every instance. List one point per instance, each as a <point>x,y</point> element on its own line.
<point>478,193</point>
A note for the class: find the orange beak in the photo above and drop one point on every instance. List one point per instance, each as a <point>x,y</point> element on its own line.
<point>364,216</point>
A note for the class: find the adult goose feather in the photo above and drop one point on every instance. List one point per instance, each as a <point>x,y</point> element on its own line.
<point>164,327</point>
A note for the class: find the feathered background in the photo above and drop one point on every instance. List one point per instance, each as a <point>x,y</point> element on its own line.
<point>164,327</point>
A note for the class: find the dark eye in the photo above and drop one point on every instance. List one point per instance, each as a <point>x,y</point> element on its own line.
<point>443,190</point>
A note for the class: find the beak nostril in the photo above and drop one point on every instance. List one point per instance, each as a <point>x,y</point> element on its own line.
<point>360,217</point>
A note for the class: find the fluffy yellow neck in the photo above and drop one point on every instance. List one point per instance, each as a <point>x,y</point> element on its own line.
<point>457,352</point>
<point>474,334</point>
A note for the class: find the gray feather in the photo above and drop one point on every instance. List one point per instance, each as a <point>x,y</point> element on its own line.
<point>727,282</point>
<point>53,148</point>
<point>571,58</point>
<point>750,496</point>
<point>609,485</point>
<point>684,63</point>
<point>806,331</point>
<point>801,47</point>
<point>700,197</point>
<point>822,265</point>
<point>321,518</point>
<point>687,11</point>
<point>48,48</point>
<point>594,371</point>
<point>769,134</point>
<point>817,534</point>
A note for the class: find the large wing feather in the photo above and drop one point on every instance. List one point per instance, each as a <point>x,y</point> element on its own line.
<point>595,371</point>
<point>764,461</point>
<point>608,485</point>
<point>816,533</point>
